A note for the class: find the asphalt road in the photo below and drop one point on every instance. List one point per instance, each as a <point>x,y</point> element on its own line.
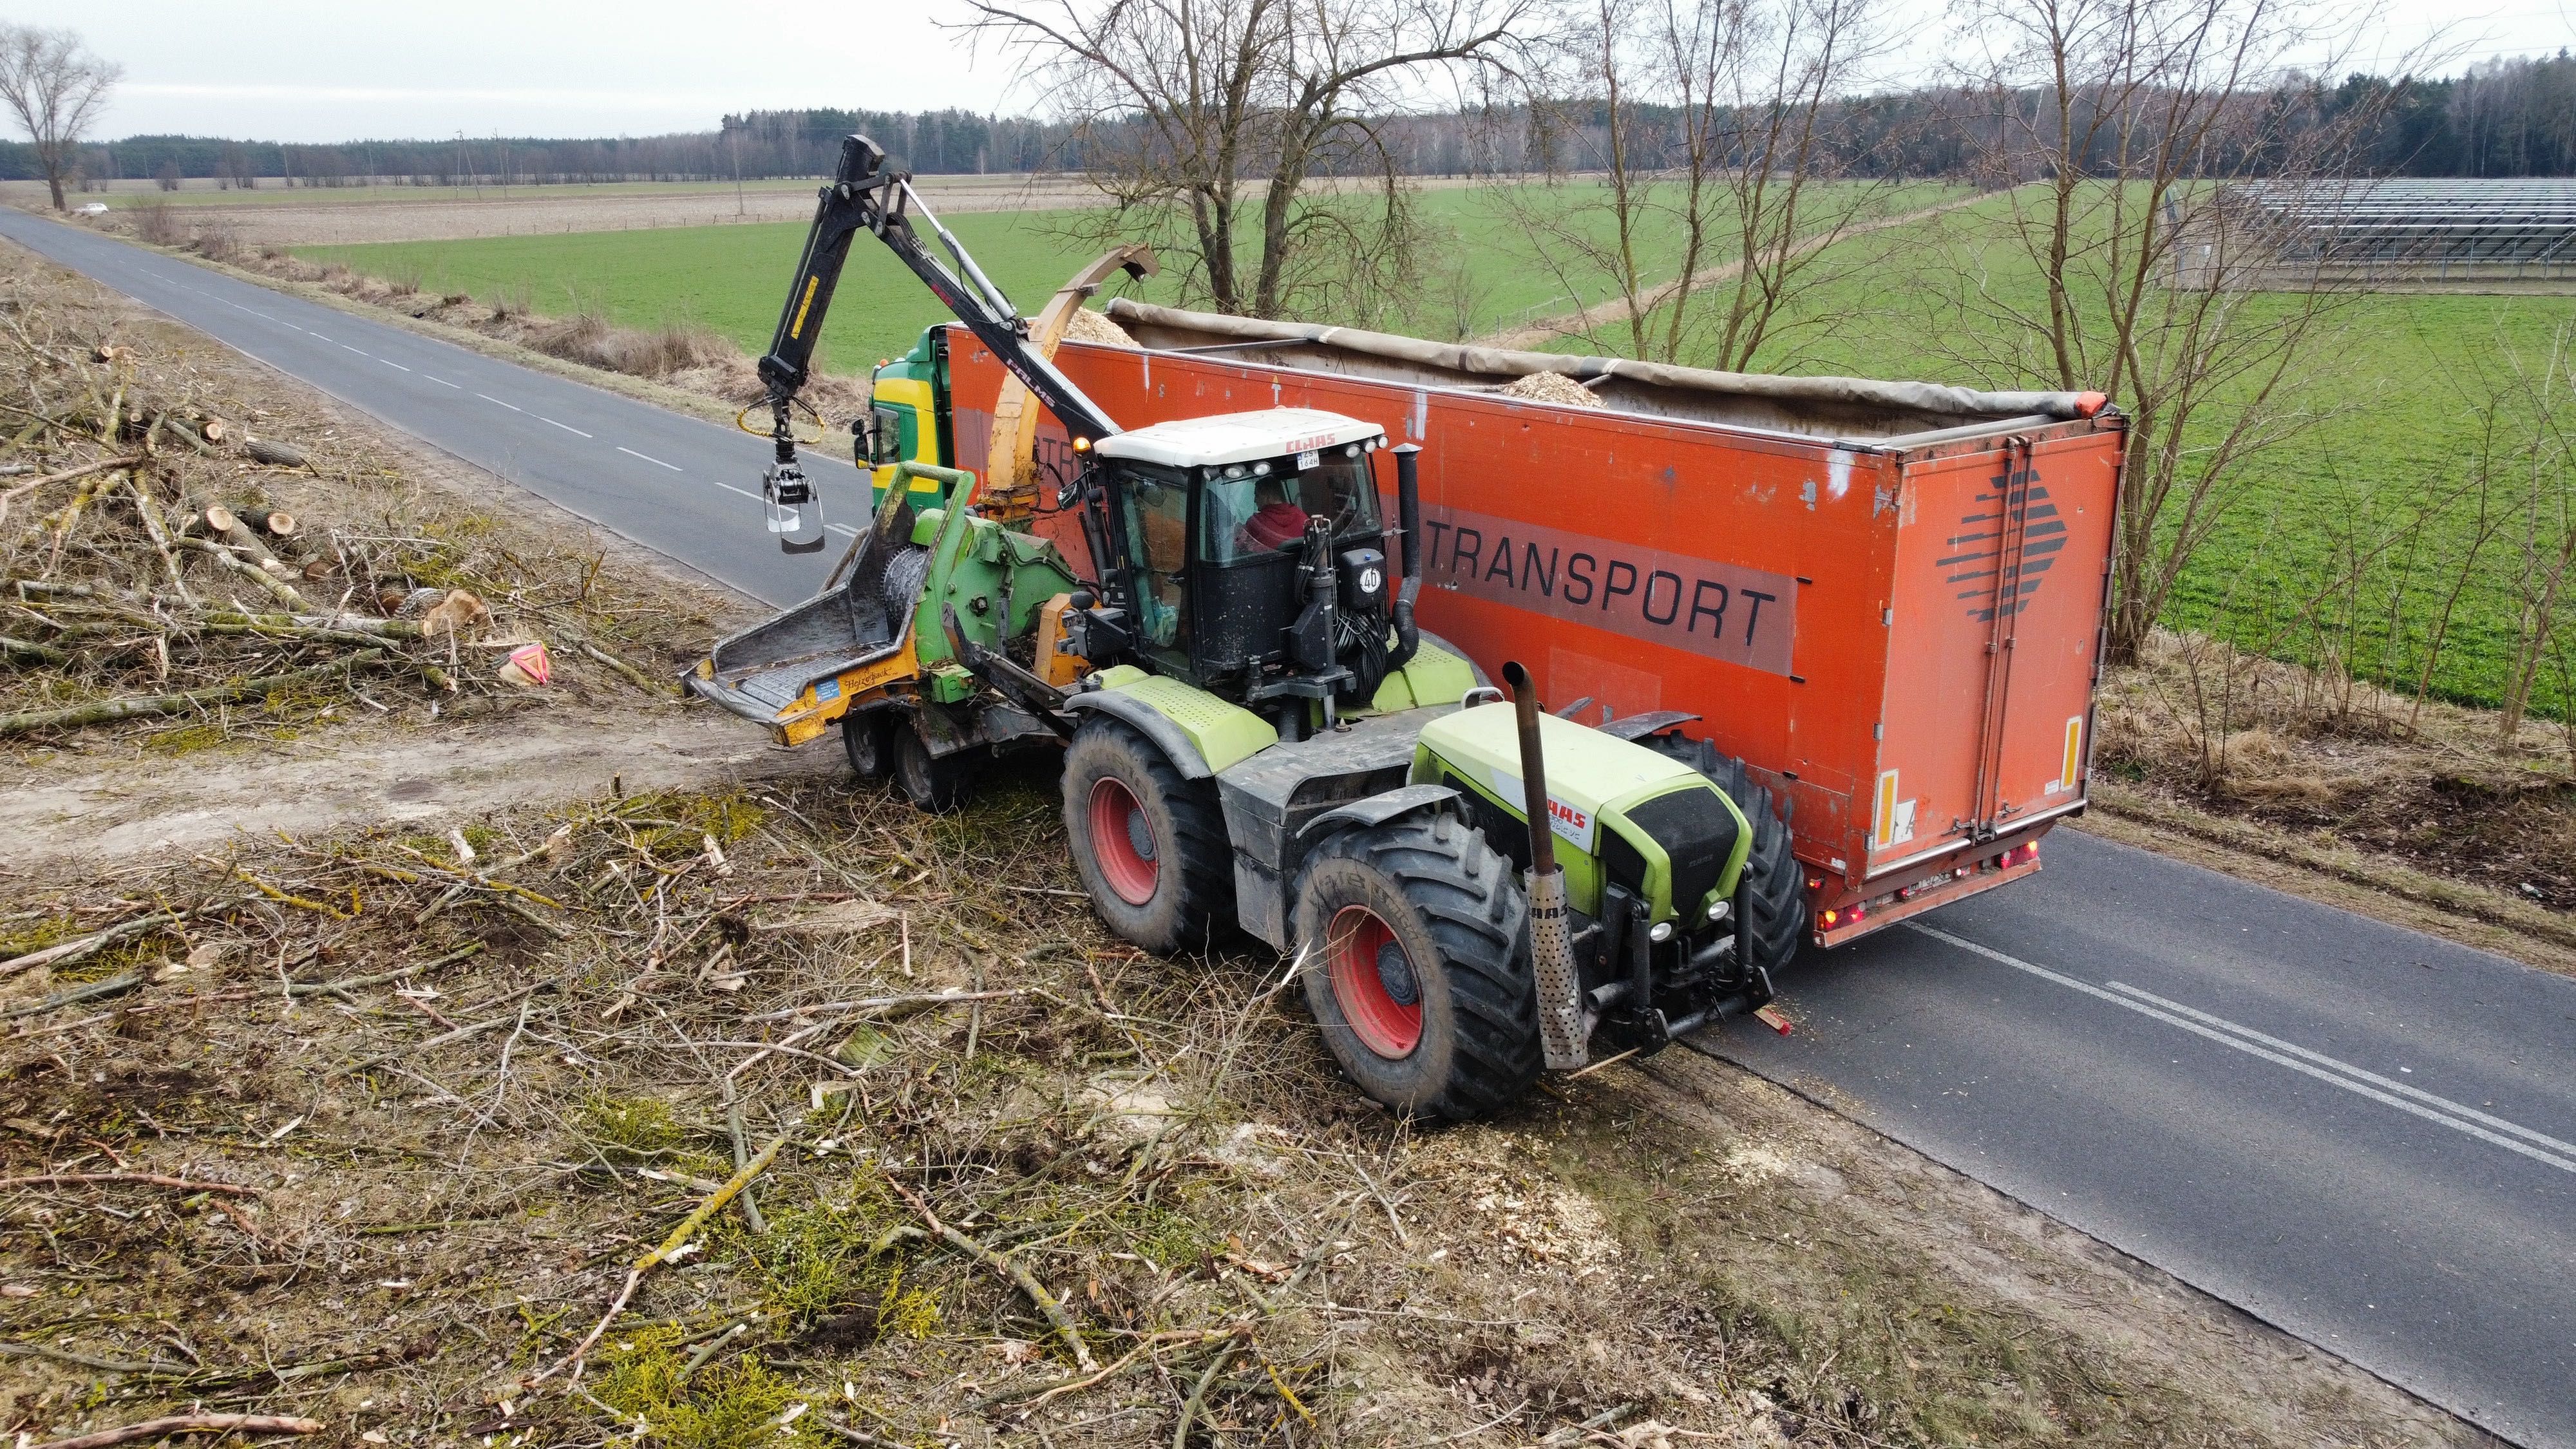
<point>2362,1135</point>
<point>684,487</point>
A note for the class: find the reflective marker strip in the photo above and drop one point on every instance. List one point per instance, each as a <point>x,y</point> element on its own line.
<point>810,284</point>
<point>1883,819</point>
<point>2074,752</point>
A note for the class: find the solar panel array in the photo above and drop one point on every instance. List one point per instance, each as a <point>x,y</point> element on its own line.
<point>2524,228</point>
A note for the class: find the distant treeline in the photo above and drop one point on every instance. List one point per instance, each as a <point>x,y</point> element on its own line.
<point>2504,118</point>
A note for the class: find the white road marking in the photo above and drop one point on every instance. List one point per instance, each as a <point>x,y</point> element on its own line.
<point>567,427</point>
<point>487,397</point>
<point>2348,1069</point>
<point>656,462</point>
<point>346,347</point>
<point>396,366</point>
<point>2223,1038</point>
<point>443,382</point>
<point>309,332</point>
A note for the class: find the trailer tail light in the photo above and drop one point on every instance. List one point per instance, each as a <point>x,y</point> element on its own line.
<point>1833,919</point>
<point>2021,854</point>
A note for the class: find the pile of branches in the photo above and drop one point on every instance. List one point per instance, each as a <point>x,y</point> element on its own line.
<point>937,1147</point>
<point>146,572</point>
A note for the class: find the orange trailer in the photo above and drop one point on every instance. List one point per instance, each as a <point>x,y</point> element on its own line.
<point>1886,597</point>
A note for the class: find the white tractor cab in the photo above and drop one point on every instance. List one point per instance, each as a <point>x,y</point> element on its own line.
<point>1251,554</point>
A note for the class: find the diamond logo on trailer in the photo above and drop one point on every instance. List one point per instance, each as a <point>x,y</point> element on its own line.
<point>2014,517</point>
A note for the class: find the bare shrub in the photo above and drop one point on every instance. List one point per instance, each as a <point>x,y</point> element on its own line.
<point>157,224</point>
<point>593,341</point>
<point>215,243</point>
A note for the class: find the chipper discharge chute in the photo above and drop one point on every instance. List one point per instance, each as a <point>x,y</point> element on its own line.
<point>875,649</point>
<point>1258,738</point>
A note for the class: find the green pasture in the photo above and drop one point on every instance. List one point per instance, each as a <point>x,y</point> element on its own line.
<point>1488,269</point>
<point>2371,485</point>
<point>729,278</point>
<point>2346,539</point>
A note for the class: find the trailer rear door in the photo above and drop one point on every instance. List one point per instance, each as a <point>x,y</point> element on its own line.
<point>1994,640</point>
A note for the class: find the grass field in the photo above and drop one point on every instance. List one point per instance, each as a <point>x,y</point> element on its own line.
<point>2393,399</point>
<point>2395,391</point>
<point>731,278</point>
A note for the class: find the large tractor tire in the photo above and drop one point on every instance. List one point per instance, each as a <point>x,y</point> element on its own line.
<point>935,785</point>
<point>1778,924</point>
<point>1150,845</point>
<point>1417,968</point>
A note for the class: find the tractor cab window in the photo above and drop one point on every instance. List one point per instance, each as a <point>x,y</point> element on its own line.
<point>1260,509</point>
<point>886,440</point>
<point>1157,505</point>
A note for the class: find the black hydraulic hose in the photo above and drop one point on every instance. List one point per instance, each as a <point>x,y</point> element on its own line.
<point>1408,510</point>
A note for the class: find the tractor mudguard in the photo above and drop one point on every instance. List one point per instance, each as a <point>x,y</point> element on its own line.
<point>1200,732</point>
<point>1150,723</point>
<point>1374,811</point>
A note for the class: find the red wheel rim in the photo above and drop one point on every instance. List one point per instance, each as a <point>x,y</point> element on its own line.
<point>1117,822</point>
<point>1361,949</point>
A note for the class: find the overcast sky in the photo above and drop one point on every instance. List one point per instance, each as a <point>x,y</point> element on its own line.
<point>331,70</point>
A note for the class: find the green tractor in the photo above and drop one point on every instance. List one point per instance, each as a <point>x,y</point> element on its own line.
<point>1257,738</point>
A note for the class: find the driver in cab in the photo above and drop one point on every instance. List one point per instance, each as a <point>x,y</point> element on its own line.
<point>1271,517</point>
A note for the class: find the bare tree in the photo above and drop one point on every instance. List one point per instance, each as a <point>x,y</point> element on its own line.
<point>2118,131</point>
<point>1244,138</point>
<point>1715,125</point>
<point>55,87</point>
<point>2543,461</point>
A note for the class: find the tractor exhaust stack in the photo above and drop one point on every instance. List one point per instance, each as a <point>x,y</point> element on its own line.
<point>1408,513</point>
<point>1560,1000</point>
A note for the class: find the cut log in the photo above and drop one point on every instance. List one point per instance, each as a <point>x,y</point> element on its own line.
<point>275,453</point>
<point>212,430</point>
<point>460,612</point>
<point>236,563</point>
<point>278,523</point>
<point>235,530</point>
